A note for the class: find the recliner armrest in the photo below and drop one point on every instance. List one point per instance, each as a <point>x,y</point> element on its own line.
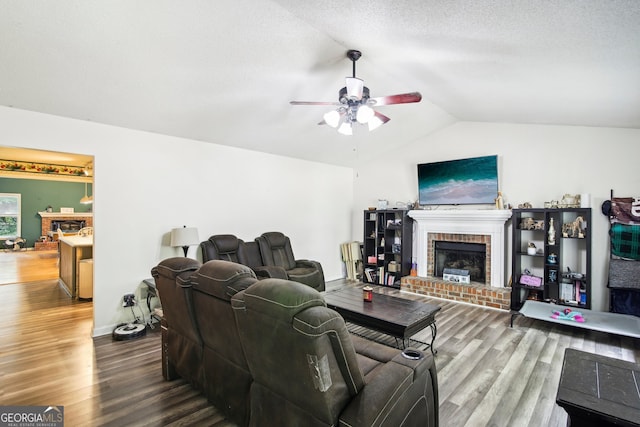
<point>270,272</point>
<point>308,263</point>
<point>419,366</point>
<point>397,388</point>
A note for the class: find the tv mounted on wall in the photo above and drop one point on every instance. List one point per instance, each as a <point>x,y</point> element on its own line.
<point>471,181</point>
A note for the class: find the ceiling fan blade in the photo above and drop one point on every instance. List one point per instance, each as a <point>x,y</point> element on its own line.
<point>403,98</point>
<point>382,117</point>
<point>313,103</point>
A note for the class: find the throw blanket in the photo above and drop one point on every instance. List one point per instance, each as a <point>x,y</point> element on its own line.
<point>624,274</point>
<point>625,241</point>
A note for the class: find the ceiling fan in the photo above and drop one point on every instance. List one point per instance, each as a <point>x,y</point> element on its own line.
<point>356,106</point>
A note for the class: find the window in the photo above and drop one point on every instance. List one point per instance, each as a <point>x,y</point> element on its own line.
<point>10,215</point>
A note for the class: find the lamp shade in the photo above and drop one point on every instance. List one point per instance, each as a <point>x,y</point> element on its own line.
<point>86,200</point>
<point>185,236</point>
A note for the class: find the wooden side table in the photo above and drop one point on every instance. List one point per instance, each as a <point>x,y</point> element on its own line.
<point>599,391</point>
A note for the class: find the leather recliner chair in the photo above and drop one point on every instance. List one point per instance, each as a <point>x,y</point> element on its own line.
<point>275,249</point>
<point>329,378</point>
<point>183,344</point>
<point>227,377</point>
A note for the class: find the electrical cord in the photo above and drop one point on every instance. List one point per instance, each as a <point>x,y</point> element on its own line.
<point>135,316</point>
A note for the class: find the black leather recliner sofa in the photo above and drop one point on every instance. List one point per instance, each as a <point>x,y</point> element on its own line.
<point>269,256</point>
<point>273,354</point>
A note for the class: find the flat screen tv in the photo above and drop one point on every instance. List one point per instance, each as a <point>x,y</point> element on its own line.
<point>458,182</point>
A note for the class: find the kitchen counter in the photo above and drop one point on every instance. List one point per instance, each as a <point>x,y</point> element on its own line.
<point>76,240</point>
<point>73,249</point>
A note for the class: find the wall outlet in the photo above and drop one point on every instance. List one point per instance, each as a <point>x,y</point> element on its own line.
<point>129,300</point>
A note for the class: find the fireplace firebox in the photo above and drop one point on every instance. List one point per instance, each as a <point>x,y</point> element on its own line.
<point>461,256</point>
<point>67,225</point>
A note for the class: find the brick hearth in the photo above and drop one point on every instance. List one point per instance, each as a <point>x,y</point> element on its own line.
<point>474,293</point>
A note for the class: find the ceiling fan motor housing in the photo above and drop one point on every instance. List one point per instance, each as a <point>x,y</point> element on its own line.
<point>343,98</point>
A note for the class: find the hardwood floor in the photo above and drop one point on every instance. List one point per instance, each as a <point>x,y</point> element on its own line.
<point>27,266</point>
<point>489,374</point>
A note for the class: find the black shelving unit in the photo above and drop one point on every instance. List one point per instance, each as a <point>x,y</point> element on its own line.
<point>562,259</point>
<point>387,246</point>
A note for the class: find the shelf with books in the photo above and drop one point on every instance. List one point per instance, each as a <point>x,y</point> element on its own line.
<point>388,245</point>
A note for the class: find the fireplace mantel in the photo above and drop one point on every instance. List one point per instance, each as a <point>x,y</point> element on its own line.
<point>490,222</point>
<point>66,215</point>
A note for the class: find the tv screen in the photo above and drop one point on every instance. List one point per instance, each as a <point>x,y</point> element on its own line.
<point>458,182</point>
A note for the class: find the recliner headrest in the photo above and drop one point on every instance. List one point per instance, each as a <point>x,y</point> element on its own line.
<point>281,299</point>
<point>226,243</point>
<point>176,266</point>
<point>222,279</point>
<point>275,238</point>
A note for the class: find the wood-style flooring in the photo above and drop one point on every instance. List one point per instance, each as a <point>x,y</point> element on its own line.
<point>27,266</point>
<point>489,374</point>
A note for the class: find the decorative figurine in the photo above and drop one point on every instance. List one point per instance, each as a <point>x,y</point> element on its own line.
<point>499,201</point>
<point>527,224</point>
<point>574,229</point>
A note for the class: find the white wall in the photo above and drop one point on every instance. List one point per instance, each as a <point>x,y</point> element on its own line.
<point>146,184</point>
<point>537,163</point>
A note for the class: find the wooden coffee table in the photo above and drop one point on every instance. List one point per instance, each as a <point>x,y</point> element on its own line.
<point>399,317</point>
<point>598,391</point>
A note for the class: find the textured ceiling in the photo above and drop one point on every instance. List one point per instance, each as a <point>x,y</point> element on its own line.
<point>224,71</point>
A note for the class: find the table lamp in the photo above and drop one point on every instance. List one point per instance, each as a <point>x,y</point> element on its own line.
<point>185,237</point>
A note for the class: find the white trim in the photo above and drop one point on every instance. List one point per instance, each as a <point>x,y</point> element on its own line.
<point>489,222</point>
<point>65,215</point>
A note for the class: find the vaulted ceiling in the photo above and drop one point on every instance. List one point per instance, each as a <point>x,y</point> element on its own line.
<point>224,71</point>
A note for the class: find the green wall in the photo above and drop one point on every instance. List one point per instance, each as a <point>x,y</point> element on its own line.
<point>37,195</point>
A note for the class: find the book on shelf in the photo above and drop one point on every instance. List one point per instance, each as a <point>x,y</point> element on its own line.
<point>371,275</point>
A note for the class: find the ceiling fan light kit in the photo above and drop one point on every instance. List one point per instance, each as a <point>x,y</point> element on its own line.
<point>355,104</point>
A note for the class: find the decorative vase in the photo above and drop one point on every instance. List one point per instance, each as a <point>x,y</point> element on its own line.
<point>552,233</point>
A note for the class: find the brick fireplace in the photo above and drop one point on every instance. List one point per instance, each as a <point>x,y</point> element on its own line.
<point>485,227</point>
<point>51,218</point>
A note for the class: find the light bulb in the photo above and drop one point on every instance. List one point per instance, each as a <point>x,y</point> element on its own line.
<point>374,123</point>
<point>365,113</point>
<point>345,129</point>
<point>332,118</point>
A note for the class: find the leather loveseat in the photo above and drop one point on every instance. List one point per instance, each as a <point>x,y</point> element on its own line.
<point>272,353</point>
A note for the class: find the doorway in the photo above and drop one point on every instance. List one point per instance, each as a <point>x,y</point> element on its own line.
<point>48,182</point>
